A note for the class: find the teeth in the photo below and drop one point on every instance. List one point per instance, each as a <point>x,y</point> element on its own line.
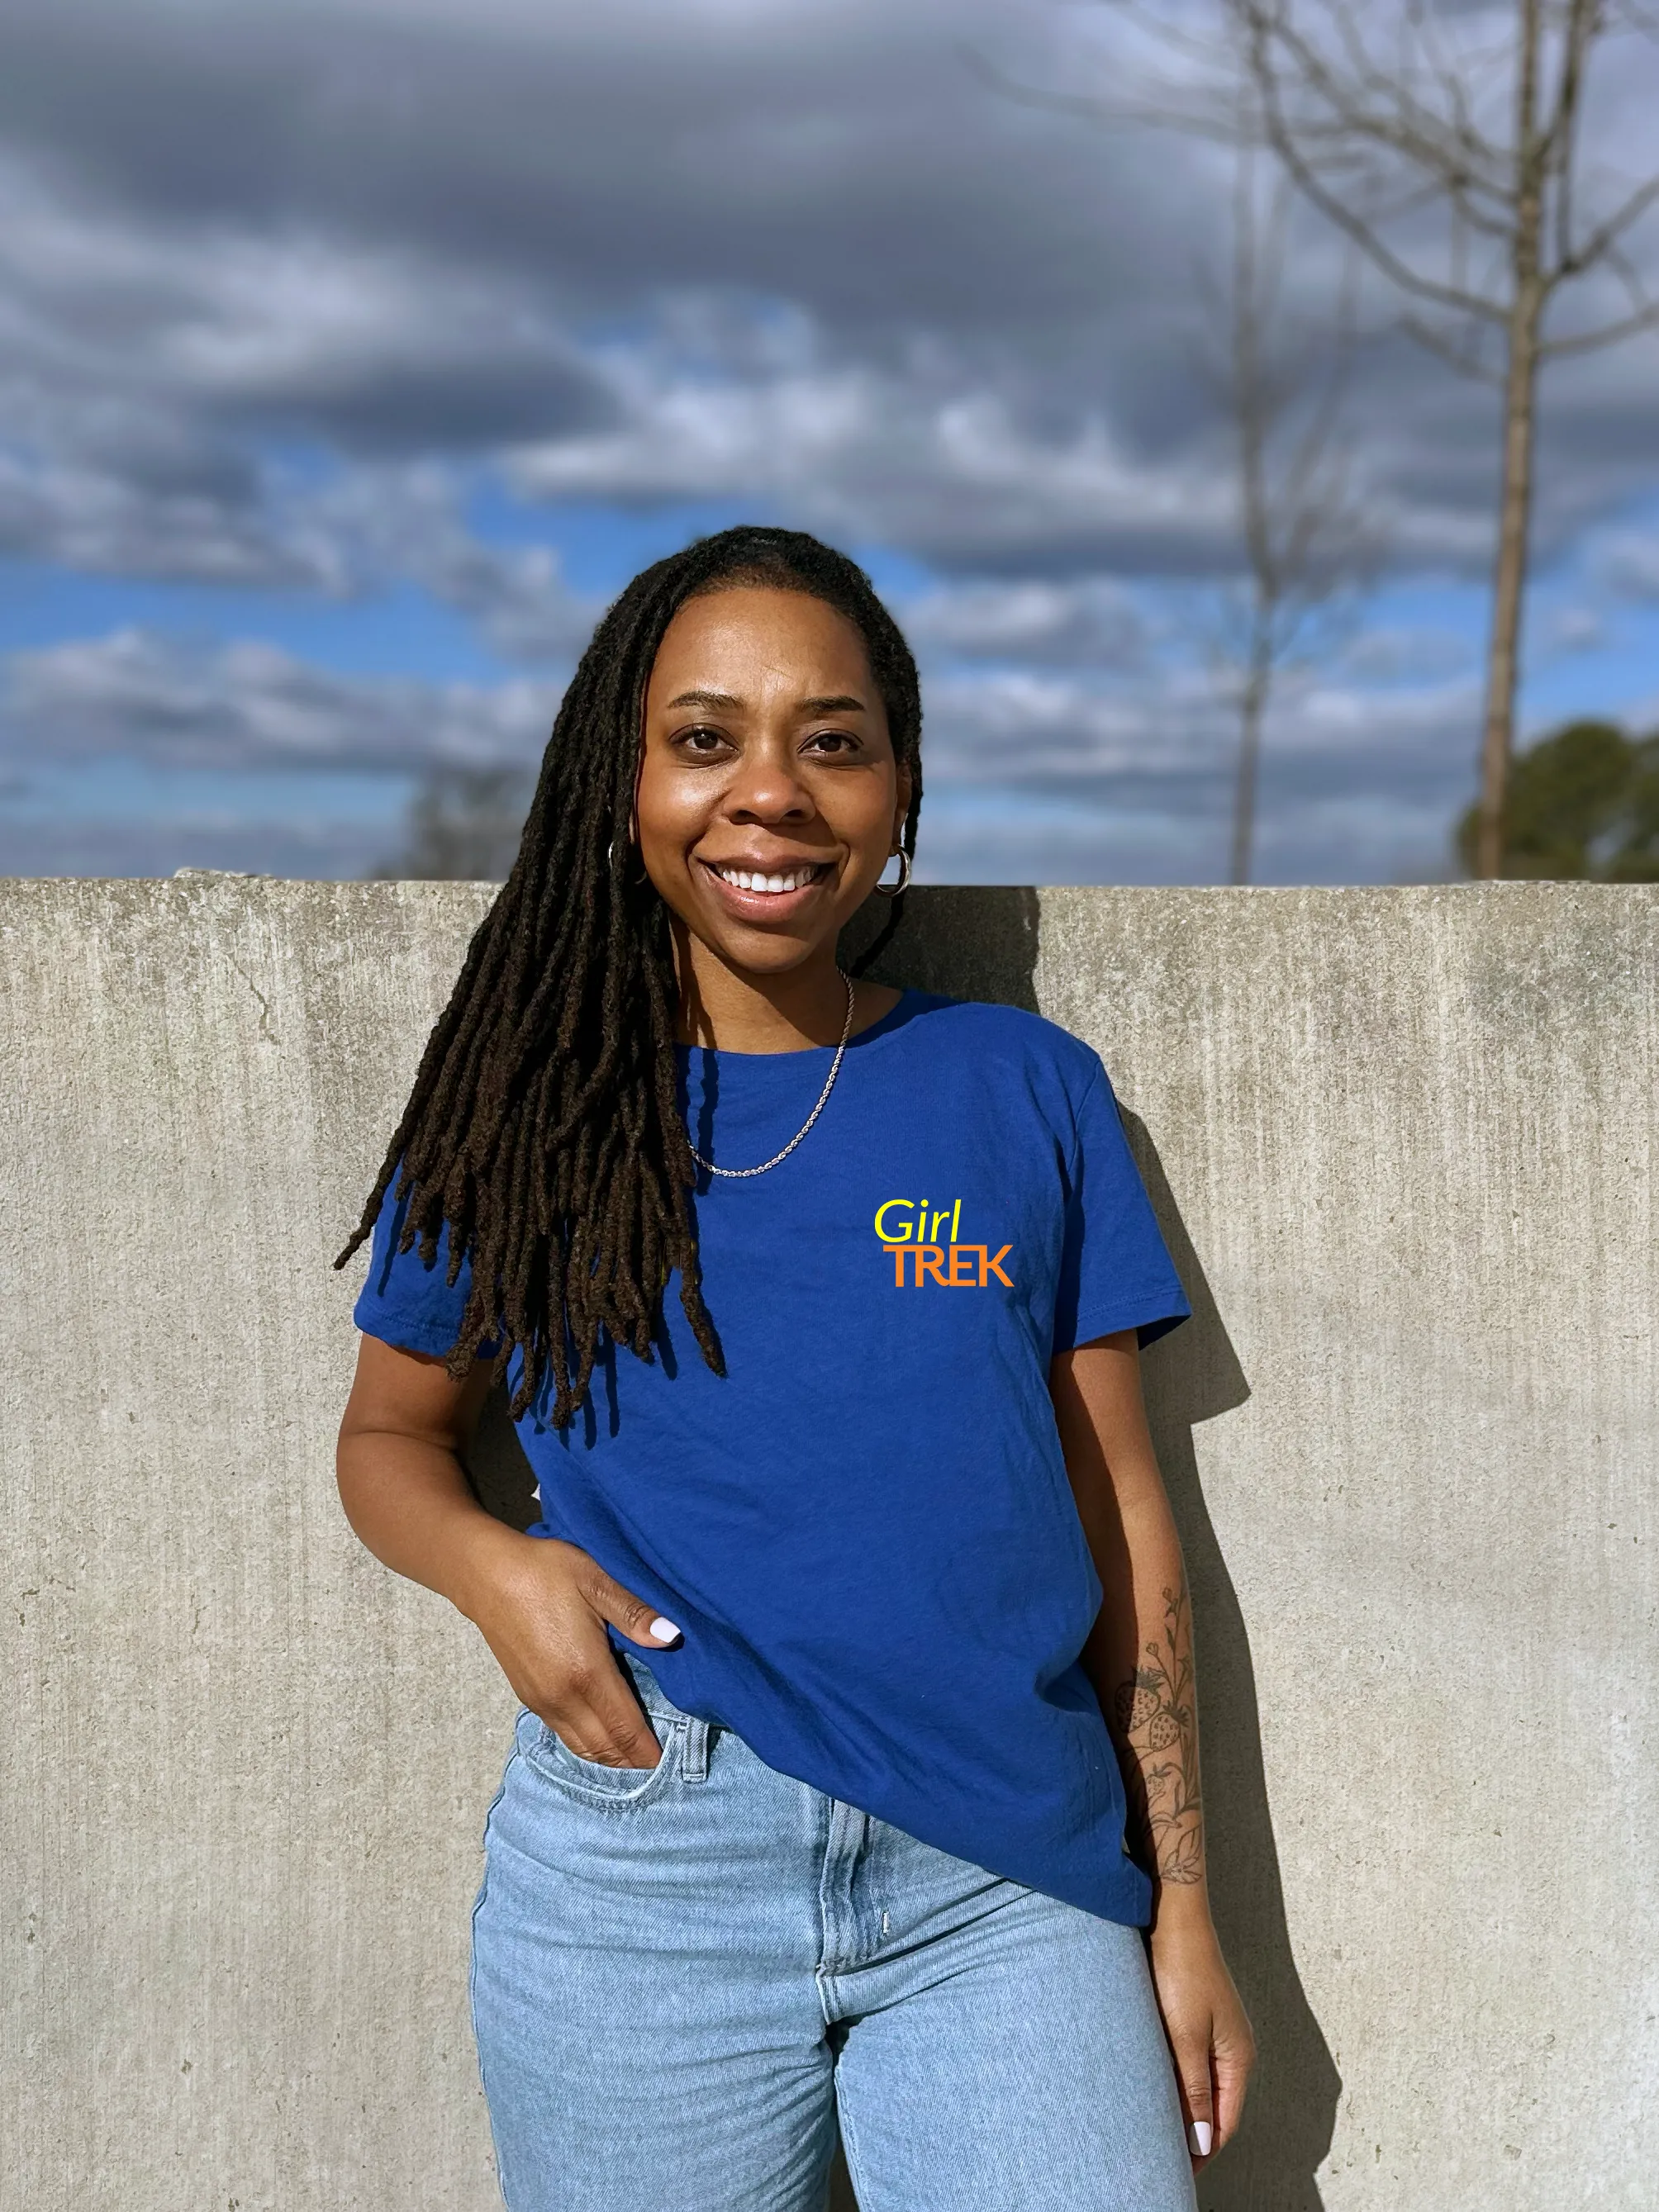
<point>745,880</point>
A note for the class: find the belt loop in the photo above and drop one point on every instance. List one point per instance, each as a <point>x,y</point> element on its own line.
<point>693,1753</point>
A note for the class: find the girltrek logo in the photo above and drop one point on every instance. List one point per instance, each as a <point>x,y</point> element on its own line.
<point>908,1229</point>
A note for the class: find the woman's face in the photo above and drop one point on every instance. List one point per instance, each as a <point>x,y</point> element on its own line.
<point>769,799</point>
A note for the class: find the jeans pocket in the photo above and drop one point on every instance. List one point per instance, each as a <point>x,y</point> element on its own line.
<point>617,1788</point>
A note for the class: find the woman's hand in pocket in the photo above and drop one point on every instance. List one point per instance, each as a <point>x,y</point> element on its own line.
<point>542,1606</point>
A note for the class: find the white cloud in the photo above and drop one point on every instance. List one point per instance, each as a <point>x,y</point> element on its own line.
<point>157,844</point>
<point>908,458</point>
<point>1092,621</point>
<point>281,289</point>
<point>799,256</point>
<point>246,705</point>
<point>1571,630</point>
<point>1403,653</point>
<point>1031,776</point>
<point>1627,561</point>
<point>406,521</point>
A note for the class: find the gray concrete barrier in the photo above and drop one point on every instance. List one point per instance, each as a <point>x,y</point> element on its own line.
<point>1403,1142</point>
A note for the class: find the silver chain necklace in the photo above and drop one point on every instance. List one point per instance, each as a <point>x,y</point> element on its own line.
<point>823,1096</point>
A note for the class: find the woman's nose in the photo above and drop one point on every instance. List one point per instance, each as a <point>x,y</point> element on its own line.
<point>766,788</point>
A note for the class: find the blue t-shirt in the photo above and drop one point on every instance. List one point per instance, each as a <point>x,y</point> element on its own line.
<point>864,1528</point>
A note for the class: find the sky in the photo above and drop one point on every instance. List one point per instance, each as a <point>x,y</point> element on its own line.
<point>355,353</point>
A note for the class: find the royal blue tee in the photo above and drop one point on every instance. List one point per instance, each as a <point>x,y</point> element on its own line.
<point>864,1528</point>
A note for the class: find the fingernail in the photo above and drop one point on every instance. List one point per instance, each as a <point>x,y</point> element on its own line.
<point>664,1631</point>
<point>1199,2138</point>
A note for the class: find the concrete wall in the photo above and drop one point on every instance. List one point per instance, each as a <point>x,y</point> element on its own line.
<point>1404,1141</point>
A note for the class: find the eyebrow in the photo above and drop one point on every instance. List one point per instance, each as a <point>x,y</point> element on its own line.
<point>837,702</point>
<point>722,699</point>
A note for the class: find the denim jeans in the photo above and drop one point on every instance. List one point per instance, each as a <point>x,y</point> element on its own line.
<point>682,1974</point>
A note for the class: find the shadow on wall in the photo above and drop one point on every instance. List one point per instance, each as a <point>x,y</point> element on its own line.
<point>982,943</point>
<point>1192,1376</point>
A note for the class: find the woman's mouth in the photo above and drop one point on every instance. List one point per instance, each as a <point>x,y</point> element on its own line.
<point>767,883</point>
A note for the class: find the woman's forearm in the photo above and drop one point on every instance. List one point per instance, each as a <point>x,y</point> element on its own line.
<point>1139,1658</point>
<point>1140,1653</point>
<point>543,1607</point>
<point>409,1502</point>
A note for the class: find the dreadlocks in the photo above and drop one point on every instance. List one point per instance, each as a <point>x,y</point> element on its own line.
<point>543,1127</point>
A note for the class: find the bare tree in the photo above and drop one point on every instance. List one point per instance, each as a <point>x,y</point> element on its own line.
<point>1445,140</point>
<point>463,823</point>
<point>1280,384</point>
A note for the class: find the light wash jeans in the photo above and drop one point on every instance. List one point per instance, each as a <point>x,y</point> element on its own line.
<point>681,1973</point>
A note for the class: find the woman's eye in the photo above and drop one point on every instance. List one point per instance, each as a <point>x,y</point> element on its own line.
<point>833,741</point>
<point>702,740</point>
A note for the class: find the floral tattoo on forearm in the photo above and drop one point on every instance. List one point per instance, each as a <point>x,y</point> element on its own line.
<point>1157,1718</point>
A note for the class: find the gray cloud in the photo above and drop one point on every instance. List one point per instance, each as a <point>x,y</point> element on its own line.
<point>800,254</point>
<point>1086,622</point>
<point>202,524</point>
<point>279,290</point>
<point>1134,838</point>
<point>1007,739</point>
<point>246,705</point>
<point>1627,561</point>
<point>406,521</point>
<point>1171,737</point>
<point>157,844</point>
<point>842,155</point>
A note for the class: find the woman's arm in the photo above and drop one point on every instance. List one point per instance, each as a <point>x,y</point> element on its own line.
<point>541,1605</point>
<point>1139,1658</point>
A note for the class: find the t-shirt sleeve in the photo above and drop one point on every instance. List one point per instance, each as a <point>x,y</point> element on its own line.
<point>1116,1269</point>
<point>406,1303</point>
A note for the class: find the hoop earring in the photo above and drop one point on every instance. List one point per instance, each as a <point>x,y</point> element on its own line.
<point>897,890</point>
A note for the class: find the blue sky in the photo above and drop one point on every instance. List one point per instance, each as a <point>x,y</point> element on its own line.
<point>356,353</point>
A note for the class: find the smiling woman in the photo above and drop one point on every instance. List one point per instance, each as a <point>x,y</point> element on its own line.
<point>542,1133</point>
<point>769,801</point>
<point>858,1740</point>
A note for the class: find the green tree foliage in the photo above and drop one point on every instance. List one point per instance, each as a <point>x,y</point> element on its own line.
<point>1581,803</point>
<point>1637,859</point>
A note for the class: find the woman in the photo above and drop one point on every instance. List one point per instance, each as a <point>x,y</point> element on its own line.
<point>815,1804</point>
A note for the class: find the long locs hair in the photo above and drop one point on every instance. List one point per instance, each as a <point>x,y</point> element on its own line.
<point>543,1129</point>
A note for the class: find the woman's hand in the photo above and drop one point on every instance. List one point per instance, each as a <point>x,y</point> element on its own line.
<point>541,1605</point>
<point>1204,2019</point>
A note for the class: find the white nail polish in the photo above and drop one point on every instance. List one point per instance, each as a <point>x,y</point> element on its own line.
<point>664,1631</point>
<point>1199,2138</point>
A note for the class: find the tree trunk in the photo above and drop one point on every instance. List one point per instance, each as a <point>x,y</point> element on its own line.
<point>1510,582</point>
<point>1253,706</point>
<point>1514,506</point>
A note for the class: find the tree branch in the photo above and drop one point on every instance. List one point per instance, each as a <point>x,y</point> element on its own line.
<point>1222,127</point>
<point>1607,234</point>
<point>1461,353</point>
<point>1399,122</point>
<point>1646,319</point>
<point>1458,298</point>
<point>1560,138</point>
